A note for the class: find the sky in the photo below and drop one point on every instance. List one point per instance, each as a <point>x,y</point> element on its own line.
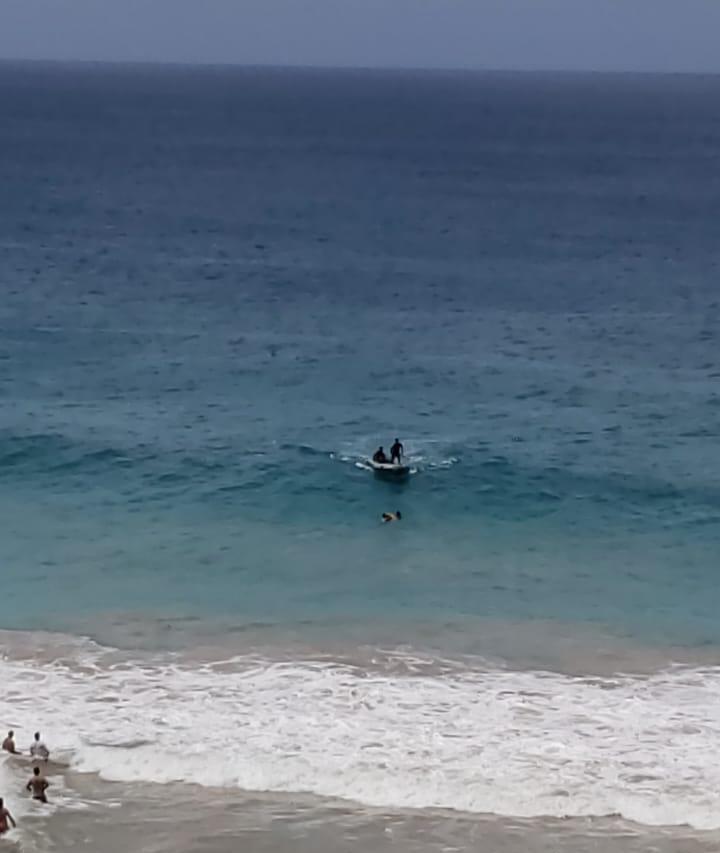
<point>602,35</point>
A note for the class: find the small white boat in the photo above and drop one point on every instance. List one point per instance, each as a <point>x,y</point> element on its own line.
<point>389,469</point>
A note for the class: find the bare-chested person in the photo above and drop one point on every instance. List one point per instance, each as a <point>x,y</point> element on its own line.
<point>9,744</point>
<point>5,817</point>
<point>38,784</point>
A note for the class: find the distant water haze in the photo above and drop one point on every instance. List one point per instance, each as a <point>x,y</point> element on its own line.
<point>610,35</point>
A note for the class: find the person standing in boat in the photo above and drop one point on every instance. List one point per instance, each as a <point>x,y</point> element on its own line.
<point>396,452</point>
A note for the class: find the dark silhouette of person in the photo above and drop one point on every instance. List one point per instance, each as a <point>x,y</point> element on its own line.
<point>396,451</point>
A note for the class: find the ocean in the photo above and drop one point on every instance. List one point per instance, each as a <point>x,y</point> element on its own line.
<point>222,289</point>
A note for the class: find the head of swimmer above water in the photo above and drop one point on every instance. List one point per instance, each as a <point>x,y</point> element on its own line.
<point>392,516</point>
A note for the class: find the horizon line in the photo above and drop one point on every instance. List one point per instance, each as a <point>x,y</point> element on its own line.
<point>400,69</point>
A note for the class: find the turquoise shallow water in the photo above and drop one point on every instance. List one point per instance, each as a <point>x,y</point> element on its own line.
<point>220,291</point>
<point>216,303</point>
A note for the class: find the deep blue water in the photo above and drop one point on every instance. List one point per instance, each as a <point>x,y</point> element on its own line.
<point>221,289</point>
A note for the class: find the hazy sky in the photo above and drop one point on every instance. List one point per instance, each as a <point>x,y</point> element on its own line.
<point>672,35</point>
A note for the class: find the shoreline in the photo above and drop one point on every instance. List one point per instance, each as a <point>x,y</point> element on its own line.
<point>403,646</point>
<point>401,730</point>
<point>119,816</point>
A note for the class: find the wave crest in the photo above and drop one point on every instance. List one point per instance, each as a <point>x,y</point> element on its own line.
<point>512,743</point>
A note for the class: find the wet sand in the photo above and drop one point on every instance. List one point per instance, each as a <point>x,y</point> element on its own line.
<point>173,818</point>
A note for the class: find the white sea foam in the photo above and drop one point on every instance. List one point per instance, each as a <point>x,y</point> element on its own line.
<point>11,792</point>
<point>14,775</point>
<point>511,743</point>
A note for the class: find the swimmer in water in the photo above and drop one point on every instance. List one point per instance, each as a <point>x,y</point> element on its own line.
<point>9,743</point>
<point>391,516</point>
<point>5,816</point>
<point>38,784</point>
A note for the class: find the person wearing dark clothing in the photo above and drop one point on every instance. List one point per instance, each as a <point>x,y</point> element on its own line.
<point>396,452</point>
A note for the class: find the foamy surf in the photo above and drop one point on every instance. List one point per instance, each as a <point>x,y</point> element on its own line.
<point>523,744</point>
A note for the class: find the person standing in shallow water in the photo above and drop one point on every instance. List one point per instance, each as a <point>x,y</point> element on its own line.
<point>396,452</point>
<point>38,748</point>
<point>5,816</point>
<point>9,743</point>
<point>38,784</point>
